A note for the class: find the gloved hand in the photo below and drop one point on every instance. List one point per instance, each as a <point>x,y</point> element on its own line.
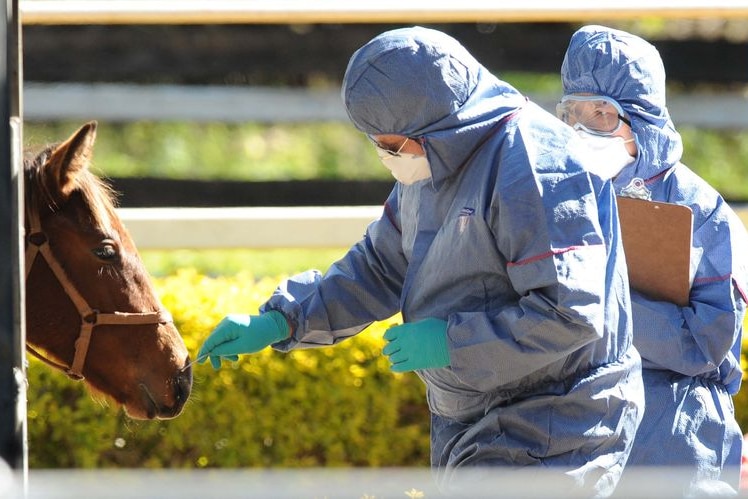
<point>238,334</point>
<point>417,345</point>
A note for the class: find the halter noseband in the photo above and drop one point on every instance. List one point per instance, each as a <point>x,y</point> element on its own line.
<point>38,243</point>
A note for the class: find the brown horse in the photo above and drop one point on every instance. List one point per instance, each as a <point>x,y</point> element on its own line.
<point>91,309</point>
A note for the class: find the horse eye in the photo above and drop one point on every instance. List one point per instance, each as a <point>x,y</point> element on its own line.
<point>106,251</point>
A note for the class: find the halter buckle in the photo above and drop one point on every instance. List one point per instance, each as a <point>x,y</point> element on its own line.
<point>92,317</point>
<point>37,238</point>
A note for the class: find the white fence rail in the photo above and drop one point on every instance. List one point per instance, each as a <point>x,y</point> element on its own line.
<point>227,228</point>
<point>127,102</point>
<point>381,11</point>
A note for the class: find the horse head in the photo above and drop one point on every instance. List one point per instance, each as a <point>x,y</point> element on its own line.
<point>91,307</point>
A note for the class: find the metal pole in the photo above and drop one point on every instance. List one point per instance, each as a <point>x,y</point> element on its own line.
<point>13,434</point>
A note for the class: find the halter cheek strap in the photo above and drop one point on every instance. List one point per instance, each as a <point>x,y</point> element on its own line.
<point>38,244</point>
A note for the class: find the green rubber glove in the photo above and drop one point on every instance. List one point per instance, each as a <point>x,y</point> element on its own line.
<point>239,334</point>
<point>417,345</point>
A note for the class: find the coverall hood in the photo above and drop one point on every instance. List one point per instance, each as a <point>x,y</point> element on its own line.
<point>422,83</point>
<point>605,61</point>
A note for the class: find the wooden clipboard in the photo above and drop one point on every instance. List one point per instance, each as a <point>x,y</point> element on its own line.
<point>657,241</point>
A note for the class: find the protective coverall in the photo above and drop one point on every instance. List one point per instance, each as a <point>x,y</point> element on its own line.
<point>691,354</point>
<point>513,243</point>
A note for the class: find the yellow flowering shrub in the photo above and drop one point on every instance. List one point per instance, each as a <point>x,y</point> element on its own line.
<point>741,399</point>
<point>335,406</point>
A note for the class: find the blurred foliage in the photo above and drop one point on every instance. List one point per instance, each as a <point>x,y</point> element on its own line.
<point>741,399</point>
<point>253,152</point>
<point>720,157</point>
<point>221,151</point>
<point>227,262</point>
<point>335,406</point>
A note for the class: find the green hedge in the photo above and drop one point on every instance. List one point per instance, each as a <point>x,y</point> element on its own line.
<point>257,152</point>
<point>336,406</point>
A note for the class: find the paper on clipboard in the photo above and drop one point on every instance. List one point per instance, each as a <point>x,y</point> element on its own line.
<point>657,241</point>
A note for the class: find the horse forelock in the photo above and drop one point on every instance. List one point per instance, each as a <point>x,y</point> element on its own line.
<point>100,198</point>
<point>98,195</point>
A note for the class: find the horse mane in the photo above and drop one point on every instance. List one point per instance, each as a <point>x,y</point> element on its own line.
<point>96,193</point>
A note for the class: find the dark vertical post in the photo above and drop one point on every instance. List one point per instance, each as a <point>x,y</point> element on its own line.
<point>13,436</point>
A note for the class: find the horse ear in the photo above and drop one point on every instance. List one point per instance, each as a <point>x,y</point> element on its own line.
<point>72,157</point>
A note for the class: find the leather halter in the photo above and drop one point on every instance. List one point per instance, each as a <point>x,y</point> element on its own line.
<point>37,243</point>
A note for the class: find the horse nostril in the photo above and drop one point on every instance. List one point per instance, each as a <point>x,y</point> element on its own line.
<point>183,385</point>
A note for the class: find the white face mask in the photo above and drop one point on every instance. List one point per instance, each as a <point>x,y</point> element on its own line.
<point>609,154</point>
<point>406,168</point>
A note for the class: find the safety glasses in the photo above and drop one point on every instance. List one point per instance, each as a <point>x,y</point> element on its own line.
<point>595,114</point>
<point>388,150</point>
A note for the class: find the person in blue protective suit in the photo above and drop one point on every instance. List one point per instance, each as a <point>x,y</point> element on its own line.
<point>503,254</point>
<point>614,96</point>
